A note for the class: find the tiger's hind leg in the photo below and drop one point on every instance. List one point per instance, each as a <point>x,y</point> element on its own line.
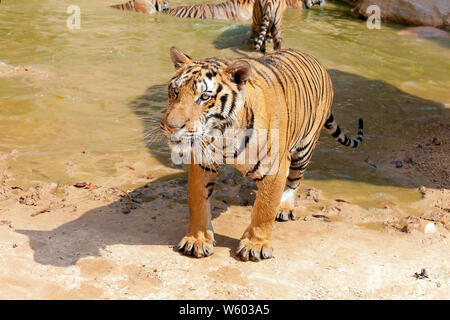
<point>277,33</point>
<point>299,161</point>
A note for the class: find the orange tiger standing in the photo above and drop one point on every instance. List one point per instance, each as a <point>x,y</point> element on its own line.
<point>272,108</point>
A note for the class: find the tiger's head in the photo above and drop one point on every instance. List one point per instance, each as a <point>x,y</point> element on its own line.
<point>159,5</point>
<point>204,96</point>
<point>310,3</point>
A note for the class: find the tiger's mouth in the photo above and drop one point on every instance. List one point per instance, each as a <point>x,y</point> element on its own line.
<point>199,144</point>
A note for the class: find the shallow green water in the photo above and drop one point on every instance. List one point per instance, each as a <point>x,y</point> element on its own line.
<point>79,118</point>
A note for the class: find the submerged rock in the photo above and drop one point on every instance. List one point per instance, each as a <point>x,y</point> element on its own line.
<point>425,32</point>
<point>435,13</point>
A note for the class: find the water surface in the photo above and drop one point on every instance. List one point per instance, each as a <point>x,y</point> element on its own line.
<point>81,117</point>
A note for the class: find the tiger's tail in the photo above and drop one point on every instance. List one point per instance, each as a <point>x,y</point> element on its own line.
<point>264,26</point>
<point>333,128</point>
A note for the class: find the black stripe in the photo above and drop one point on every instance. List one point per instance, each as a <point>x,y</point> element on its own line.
<point>223,101</point>
<point>337,132</point>
<point>208,169</point>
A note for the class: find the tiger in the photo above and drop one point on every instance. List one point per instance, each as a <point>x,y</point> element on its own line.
<point>267,16</point>
<point>233,10</point>
<point>272,107</point>
<point>143,6</point>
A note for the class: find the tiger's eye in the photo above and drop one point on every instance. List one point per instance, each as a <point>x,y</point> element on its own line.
<point>204,97</point>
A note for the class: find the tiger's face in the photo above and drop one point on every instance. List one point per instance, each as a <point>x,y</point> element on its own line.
<point>161,5</point>
<point>310,3</point>
<point>204,96</point>
<point>157,5</point>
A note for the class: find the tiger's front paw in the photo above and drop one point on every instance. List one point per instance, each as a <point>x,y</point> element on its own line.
<point>285,214</point>
<point>198,246</point>
<point>254,250</point>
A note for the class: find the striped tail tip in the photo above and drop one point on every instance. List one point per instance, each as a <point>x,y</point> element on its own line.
<point>333,128</point>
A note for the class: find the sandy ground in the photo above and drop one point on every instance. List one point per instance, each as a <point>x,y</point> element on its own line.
<point>69,243</point>
<point>89,242</point>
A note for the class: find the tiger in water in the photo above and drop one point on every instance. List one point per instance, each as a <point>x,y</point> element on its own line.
<point>143,6</point>
<point>273,108</point>
<point>233,10</point>
<point>267,16</point>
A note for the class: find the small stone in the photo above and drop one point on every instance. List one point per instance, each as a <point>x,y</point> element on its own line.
<point>321,217</point>
<point>397,164</point>
<point>429,228</point>
<point>126,210</point>
<point>436,141</point>
<point>422,190</point>
<point>80,184</point>
<point>422,275</point>
<point>416,224</point>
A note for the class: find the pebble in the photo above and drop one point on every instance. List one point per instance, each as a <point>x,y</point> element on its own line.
<point>80,184</point>
<point>398,164</point>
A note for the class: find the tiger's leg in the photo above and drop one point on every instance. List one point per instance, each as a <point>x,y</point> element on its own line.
<point>277,33</point>
<point>254,30</point>
<point>299,161</point>
<point>199,240</point>
<point>255,242</point>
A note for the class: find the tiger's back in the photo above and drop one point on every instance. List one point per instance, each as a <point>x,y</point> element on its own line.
<point>234,10</point>
<point>298,85</point>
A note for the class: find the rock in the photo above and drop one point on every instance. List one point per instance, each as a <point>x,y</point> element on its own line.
<point>80,185</point>
<point>439,217</point>
<point>435,13</point>
<point>425,32</point>
<point>321,217</point>
<point>422,275</point>
<point>397,164</point>
<point>423,191</point>
<point>313,194</point>
<point>416,224</point>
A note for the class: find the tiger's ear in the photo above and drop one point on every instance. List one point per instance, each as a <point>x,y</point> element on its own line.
<point>178,58</point>
<point>240,71</point>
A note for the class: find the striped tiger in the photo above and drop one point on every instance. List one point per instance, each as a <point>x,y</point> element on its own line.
<point>267,16</point>
<point>143,6</point>
<point>234,10</point>
<point>269,111</point>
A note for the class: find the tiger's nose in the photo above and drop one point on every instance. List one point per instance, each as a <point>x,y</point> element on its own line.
<point>171,129</point>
